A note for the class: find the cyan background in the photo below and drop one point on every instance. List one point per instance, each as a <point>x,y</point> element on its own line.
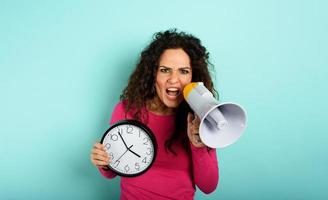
<point>63,65</point>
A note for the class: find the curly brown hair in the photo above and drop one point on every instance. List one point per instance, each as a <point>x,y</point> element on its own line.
<point>141,87</point>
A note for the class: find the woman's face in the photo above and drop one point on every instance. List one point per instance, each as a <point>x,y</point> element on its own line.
<point>174,72</point>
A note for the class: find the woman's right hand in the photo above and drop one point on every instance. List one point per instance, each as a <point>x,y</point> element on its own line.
<point>99,156</point>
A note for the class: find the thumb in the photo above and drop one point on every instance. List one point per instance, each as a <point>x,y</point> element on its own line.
<point>189,118</point>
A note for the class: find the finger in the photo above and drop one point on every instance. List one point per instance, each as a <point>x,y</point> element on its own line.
<point>189,118</point>
<point>189,124</point>
<point>197,138</point>
<point>101,163</point>
<point>196,120</point>
<point>99,155</point>
<point>100,152</point>
<point>99,158</point>
<point>197,142</point>
<point>98,161</point>
<point>194,130</point>
<point>98,145</point>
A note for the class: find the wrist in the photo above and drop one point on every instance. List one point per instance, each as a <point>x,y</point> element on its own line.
<point>106,168</point>
<point>197,145</point>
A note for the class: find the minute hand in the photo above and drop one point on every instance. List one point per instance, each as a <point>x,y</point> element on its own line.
<point>126,146</point>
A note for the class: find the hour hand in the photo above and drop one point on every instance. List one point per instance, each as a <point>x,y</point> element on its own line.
<point>133,152</point>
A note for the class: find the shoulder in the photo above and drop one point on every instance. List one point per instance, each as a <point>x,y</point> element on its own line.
<point>119,107</point>
<point>119,112</point>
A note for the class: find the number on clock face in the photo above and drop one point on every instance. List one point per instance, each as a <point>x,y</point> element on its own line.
<point>131,146</point>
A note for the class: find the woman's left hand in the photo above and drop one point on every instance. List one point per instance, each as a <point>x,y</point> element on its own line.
<point>193,130</point>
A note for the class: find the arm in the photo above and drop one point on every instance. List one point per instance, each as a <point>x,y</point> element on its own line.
<point>205,168</point>
<point>205,164</point>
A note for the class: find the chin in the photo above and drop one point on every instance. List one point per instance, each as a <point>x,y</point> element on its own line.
<point>171,104</point>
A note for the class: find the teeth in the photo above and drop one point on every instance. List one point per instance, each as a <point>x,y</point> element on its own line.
<point>173,89</point>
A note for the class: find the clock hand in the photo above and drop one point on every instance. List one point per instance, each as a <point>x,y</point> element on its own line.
<point>133,152</point>
<point>122,139</point>
<point>124,153</point>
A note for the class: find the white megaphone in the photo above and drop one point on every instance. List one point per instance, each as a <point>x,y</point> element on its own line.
<point>221,123</point>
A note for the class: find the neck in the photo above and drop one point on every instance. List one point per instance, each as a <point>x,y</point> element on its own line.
<point>158,107</point>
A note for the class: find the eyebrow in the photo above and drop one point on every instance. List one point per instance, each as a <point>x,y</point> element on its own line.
<point>171,67</point>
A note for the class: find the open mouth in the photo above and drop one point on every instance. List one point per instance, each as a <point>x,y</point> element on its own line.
<point>173,92</point>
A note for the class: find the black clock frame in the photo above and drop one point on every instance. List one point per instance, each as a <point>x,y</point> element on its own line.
<point>147,131</point>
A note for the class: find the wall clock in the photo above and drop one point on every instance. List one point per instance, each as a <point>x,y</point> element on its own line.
<point>131,146</point>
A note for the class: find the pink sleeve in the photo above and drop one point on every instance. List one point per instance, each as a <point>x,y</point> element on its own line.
<point>117,115</point>
<point>205,168</point>
<point>107,173</point>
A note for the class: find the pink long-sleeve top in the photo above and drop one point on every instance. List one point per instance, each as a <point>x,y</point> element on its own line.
<point>170,177</point>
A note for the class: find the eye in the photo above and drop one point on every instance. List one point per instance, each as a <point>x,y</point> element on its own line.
<point>184,71</point>
<point>164,70</point>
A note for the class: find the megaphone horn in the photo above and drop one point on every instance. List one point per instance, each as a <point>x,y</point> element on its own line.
<point>221,123</point>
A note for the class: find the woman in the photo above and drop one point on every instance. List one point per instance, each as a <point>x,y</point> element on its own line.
<point>154,96</point>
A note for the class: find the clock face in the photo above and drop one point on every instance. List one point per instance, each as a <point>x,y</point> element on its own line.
<point>131,147</point>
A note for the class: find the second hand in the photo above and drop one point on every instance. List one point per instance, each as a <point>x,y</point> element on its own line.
<point>124,153</point>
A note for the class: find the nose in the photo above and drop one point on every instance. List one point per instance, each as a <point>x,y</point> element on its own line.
<point>173,78</point>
